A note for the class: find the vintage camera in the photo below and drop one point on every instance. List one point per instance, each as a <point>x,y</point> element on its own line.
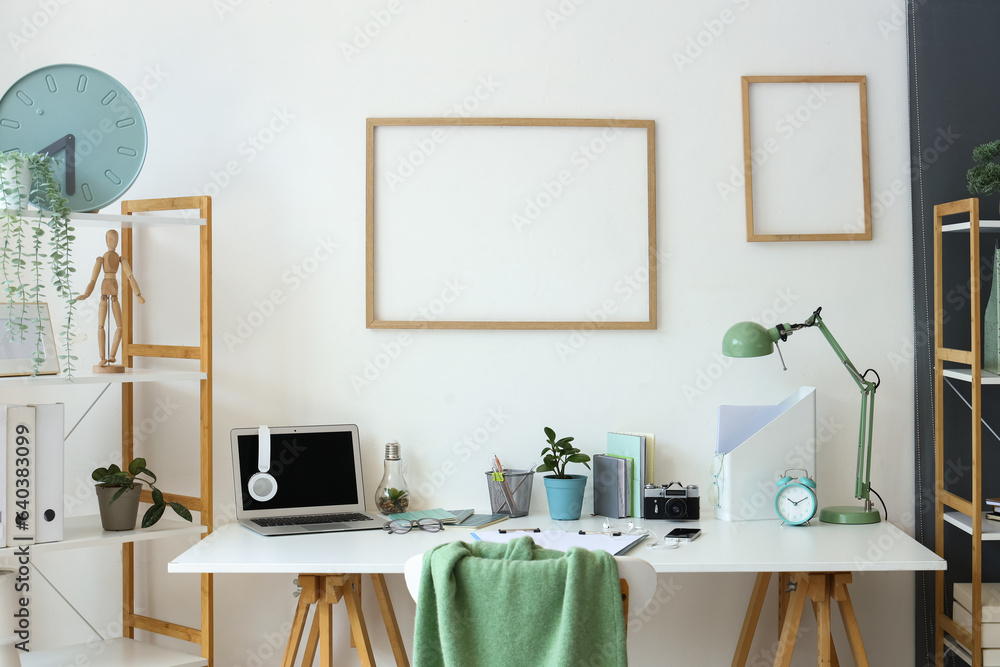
<point>663,502</point>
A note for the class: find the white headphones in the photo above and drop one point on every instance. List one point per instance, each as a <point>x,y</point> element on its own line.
<point>262,485</point>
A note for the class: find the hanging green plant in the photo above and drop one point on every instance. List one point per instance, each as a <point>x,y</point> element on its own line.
<point>28,178</point>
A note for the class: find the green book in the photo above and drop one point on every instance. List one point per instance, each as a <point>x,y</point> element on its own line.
<point>454,516</point>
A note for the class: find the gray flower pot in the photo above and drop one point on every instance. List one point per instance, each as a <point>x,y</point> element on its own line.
<point>121,514</point>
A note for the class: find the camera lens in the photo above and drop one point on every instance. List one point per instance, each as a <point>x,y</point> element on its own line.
<point>676,508</point>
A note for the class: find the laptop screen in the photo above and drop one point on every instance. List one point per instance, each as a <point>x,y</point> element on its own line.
<point>313,466</point>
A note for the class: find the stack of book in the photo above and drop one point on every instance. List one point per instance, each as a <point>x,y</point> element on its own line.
<point>994,505</point>
<point>31,474</point>
<point>961,614</point>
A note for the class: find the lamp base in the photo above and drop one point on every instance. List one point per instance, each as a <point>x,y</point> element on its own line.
<point>848,515</point>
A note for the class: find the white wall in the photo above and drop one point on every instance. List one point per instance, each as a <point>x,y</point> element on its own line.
<point>214,79</point>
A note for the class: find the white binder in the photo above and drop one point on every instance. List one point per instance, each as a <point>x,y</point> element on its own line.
<point>49,426</point>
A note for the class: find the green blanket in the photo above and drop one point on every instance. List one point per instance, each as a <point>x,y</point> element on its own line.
<point>518,604</point>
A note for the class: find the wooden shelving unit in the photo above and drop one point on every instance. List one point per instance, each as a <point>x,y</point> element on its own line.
<point>86,531</point>
<point>966,513</point>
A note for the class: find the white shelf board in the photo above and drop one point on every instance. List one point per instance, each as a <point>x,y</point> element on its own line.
<point>127,221</point>
<point>965,375</point>
<point>991,529</point>
<point>949,642</point>
<point>119,652</point>
<point>984,226</point>
<point>86,531</point>
<point>89,377</point>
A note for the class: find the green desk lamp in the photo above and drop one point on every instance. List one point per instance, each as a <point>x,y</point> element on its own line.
<point>749,339</point>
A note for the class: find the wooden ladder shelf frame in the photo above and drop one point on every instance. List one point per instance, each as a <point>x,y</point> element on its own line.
<point>970,508</point>
<point>202,352</point>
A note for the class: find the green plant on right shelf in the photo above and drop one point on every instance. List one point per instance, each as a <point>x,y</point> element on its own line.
<point>984,178</point>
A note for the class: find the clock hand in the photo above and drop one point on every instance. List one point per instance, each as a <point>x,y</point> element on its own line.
<point>67,143</point>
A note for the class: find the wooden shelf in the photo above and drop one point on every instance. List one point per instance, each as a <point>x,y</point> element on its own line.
<point>101,220</point>
<point>965,375</point>
<point>119,652</point>
<point>89,377</point>
<point>991,529</point>
<point>984,226</point>
<point>85,531</point>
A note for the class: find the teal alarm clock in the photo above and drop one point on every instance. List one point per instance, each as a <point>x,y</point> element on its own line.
<point>795,502</point>
<point>85,119</point>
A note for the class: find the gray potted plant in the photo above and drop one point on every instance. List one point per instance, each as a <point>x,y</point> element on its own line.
<point>118,496</point>
<point>564,492</point>
<point>28,178</point>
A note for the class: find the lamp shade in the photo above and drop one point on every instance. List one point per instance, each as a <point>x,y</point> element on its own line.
<point>747,339</point>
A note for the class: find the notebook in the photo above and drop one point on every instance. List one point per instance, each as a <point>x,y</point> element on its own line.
<point>317,471</point>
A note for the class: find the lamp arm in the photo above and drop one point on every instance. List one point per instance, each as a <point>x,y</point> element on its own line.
<point>862,483</point>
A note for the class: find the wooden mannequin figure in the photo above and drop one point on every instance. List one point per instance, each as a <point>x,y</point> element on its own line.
<point>109,263</point>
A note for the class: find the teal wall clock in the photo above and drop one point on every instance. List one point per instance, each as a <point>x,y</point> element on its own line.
<point>84,118</point>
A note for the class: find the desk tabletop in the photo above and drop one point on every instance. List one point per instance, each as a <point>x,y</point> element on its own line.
<point>743,546</point>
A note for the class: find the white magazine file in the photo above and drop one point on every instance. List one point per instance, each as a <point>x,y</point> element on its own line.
<point>758,443</point>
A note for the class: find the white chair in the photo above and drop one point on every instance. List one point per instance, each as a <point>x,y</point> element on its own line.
<point>637,577</point>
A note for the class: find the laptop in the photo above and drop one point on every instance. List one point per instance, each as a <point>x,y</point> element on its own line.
<point>292,480</point>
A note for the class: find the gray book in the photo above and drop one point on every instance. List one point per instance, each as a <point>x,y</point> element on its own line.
<point>612,480</point>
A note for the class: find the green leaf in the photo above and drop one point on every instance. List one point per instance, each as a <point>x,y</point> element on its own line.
<point>149,472</point>
<point>114,469</point>
<point>157,496</point>
<point>118,494</point>
<point>136,466</point>
<point>182,511</point>
<point>550,434</point>
<point>99,474</point>
<point>152,515</point>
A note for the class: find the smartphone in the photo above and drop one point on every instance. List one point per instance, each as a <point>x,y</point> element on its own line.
<point>687,534</point>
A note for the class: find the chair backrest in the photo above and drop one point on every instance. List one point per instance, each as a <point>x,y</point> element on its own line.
<point>637,576</point>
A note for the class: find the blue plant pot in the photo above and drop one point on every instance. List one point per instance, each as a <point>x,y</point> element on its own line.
<point>565,496</point>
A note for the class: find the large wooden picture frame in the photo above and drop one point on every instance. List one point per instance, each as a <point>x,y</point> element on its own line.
<point>816,144</point>
<point>446,218</point>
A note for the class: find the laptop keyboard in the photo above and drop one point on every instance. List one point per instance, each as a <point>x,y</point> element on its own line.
<point>312,518</point>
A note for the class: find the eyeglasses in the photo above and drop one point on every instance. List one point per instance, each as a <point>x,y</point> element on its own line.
<point>401,526</point>
<point>715,491</point>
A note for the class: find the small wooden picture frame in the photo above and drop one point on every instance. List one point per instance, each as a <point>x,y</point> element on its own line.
<point>810,151</point>
<point>16,355</point>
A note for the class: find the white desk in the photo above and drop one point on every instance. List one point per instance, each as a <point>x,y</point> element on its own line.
<point>763,547</point>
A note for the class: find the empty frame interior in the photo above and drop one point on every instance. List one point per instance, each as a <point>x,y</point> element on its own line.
<point>511,223</point>
<point>805,151</point>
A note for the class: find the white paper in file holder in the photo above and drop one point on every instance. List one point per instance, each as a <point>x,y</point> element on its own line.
<point>760,442</point>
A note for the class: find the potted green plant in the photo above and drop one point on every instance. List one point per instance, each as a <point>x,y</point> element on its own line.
<point>28,178</point>
<point>118,496</point>
<point>564,492</point>
<point>984,178</point>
